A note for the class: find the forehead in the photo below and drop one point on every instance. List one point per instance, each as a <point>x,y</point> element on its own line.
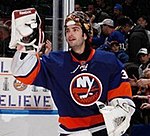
<point>73,26</point>
<point>141,19</point>
<point>142,55</point>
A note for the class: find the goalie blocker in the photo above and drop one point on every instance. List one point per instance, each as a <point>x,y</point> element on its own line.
<point>26,33</point>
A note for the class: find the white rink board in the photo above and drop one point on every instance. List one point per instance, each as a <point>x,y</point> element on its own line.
<point>28,125</point>
<point>25,110</point>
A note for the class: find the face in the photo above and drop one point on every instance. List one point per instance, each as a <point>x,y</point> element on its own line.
<point>99,2</point>
<point>75,37</point>
<point>115,48</point>
<point>3,33</point>
<point>144,58</point>
<point>141,21</point>
<point>127,28</point>
<point>105,29</point>
<point>77,7</point>
<point>117,12</point>
<point>91,8</point>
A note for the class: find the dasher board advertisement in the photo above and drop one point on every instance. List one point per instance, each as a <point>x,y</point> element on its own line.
<point>25,110</point>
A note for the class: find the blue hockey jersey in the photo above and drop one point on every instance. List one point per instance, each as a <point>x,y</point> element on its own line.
<point>76,85</point>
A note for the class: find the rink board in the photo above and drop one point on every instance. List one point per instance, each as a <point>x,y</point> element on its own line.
<point>25,110</point>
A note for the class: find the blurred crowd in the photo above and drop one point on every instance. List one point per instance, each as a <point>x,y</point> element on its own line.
<point>122,27</point>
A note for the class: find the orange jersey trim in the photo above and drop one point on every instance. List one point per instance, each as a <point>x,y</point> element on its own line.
<point>73,123</point>
<point>30,78</point>
<point>89,58</point>
<point>123,90</point>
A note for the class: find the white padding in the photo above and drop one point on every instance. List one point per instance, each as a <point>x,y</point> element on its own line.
<point>82,133</point>
<point>117,116</point>
<point>23,67</point>
<point>24,30</point>
<point>23,24</point>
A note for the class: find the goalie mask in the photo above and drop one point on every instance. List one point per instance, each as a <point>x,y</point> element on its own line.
<point>26,30</point>
<point>81,19</point>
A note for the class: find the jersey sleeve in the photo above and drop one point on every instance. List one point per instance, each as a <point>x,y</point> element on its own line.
<point>25,69</point>
<point>119,85</point>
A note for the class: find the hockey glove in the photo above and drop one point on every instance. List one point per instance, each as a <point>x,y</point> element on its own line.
<point>26,34</point>
<point>117,116</point>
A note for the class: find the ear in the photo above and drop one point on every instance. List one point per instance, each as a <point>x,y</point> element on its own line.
<point>85,36</point>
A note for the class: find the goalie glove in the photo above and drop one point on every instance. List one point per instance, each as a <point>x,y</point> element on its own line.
<point>26,33</point>
<point>117,115</point>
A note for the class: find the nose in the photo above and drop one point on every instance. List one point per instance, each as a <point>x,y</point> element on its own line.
<point>69,33</point>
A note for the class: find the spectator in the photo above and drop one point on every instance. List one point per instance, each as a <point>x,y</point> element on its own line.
<point>107,26</point>
<point>147,73</point>
<point>137,39</point>
<point>144,82</point>
<point>117,13</point>
<point>129,9</point>
<point>98,38</point>
<point>142,100</point>
<point>141,126</point>
<point>114,41</point>
<point>145,105</point>
<point>144,59</point>
<point>121,32</point>
<point>77,7</point>
<point>100,15</point>
<point>118,34</point>
<point>143,85</point>
<point>104,6</point>
<point>144,22</point>
<point>97,27</point>
<point>120,53</point>
<point>91,8</point>
<point>5,51</point>
<point>91,12</point>
<point>133,74</point>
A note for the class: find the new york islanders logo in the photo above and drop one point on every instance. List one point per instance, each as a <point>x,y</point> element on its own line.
<point>85,89</point>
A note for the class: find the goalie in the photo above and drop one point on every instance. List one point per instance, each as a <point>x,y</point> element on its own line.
<point>89,87</point>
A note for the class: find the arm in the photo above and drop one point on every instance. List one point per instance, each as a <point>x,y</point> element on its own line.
<point>145,106</point>
<point>26,67</point>
<point>27,37</point>
<point>120,108</point>
<point>141,96</point>
<point>143,82</point>
<point>147,72</point>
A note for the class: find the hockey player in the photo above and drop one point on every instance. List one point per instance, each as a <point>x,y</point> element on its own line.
<point>89,87</point>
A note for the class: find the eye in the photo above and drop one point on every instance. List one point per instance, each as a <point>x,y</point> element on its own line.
<point>76,29</point>
<point>66,30</point>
